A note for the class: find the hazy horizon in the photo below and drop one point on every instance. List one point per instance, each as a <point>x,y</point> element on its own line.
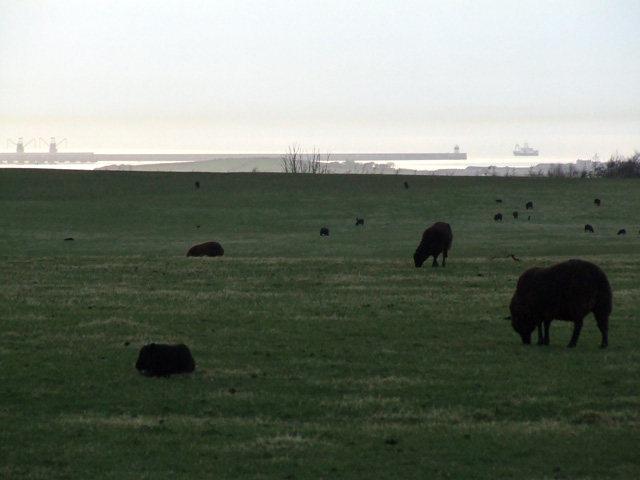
<point>339,76</point>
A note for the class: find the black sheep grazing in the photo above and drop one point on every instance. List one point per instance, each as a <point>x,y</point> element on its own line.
<point>622,231</point>
<point>566,291</point>
<point>197,184</point>
<point>497,216</point>
<point>157,360</point>
<point>359,221</point>
<point>529,206</point>
<point>515,215</point>
<point>324,232</point>
<point>596,201</point>
<point>435,240</point>
<point>406,184</point>
<point>588,228</point>
<point>207,249</point>
<point>498,200</point>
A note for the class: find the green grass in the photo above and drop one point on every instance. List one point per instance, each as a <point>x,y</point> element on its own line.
<point>317,357</point>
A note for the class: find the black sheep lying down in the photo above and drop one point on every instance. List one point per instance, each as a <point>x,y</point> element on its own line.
<point>206,249</point>
<point>566,291</point>
<point>158,360</point>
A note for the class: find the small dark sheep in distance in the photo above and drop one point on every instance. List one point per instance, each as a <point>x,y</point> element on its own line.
<point>622,231</point>
<point>197,184</point>
<point>359,221</point>
<point>324,232</point>
<point>529,206</point>
<point>515,215</point>
<point>588,228</point>
<point>207,249</point>
<point>497,217</point>
<point>566,291</point>
<point>158,360</point>
<point>436,239</point>
<point>406,184</point>
<point>596,201</point>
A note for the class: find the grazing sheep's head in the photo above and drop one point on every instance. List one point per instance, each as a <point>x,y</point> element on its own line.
<point>519,321</point>
<point>418,258</point>
<point>145,359</point>
<point>524,330</point>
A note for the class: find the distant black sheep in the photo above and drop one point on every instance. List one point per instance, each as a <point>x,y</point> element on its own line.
<point>529,206</point>
<point>515,215</point>
<point>69,239</point>
<point>436,239</point>
<point>498,200</point>
<point>588,228</point>
<point>497,216</point>
<point>157,360</point>
<point>622,231</point>
<point>596,201</point>
<point>406,184</point>
<point>197,184</point>
<point>566,291</point>
<point>324,232</point>
<point>359,221</point>
<point>207,249</point>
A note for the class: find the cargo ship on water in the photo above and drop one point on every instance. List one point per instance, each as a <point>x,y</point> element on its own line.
<point>525,151</point>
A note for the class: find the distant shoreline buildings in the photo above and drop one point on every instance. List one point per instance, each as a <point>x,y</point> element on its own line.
<point>55,157</point>
<point>337,163</point>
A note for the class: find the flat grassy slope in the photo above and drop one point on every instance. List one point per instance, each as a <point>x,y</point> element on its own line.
<point>317,357</point>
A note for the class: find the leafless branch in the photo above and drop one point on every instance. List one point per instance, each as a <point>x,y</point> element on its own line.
<point>508,255</point>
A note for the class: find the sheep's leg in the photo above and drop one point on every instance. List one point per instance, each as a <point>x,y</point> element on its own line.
<point>576,333</point>
<point>435,261</point>
<point>540,339</point>
<point>543,340</point>
<point>603,326</point>
<point>547,324</point>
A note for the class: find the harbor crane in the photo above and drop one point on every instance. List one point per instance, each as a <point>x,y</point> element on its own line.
<point>20,144</point>
<point>53,146</point>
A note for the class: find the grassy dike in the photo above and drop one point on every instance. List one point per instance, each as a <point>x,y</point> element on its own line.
<point>317,357</point>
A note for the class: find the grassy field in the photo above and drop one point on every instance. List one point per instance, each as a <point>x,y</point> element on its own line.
<point>317,357</point>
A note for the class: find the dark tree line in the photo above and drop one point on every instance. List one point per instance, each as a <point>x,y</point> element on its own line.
<point>617,167</point>
<point>620,167</point>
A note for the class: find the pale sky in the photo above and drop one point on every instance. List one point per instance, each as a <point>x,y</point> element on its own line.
<point>338,75</point>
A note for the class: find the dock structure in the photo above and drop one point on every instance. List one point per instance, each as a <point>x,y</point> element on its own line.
<point>46,158</point>
<point>55,156</point>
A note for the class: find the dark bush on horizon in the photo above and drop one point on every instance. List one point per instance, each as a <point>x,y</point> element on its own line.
<point>619,167</point>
